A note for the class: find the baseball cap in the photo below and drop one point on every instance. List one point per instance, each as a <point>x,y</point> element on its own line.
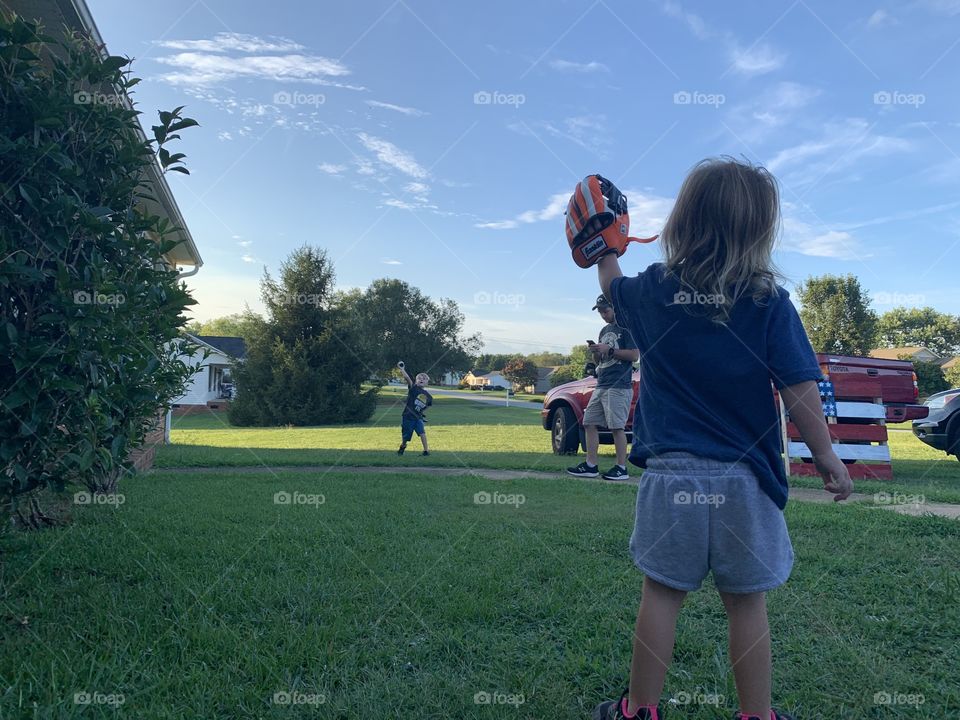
<point>602,302</point>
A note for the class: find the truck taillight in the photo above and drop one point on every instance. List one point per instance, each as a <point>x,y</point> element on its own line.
<point>916,388</point>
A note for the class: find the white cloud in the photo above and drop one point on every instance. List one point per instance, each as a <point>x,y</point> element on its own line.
<point>693,21</point>
<point>224,135</point>
<point>588,131</point>
<point>389,261</point>
<point>397,108</point>
<point>801,237</point>
<point>755,60</point>
<point>331,168</point>
<point>881,18</point>
<point>417,188</point>
<point>841,146</point>
<point>568,65</point>
<point>225,41</point>
<point>389,154</point>
<point>205,62</point>
<point>500,225</point>
<point>248,258</point>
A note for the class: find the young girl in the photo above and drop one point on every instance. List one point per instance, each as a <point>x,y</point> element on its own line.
<point>714,330</point>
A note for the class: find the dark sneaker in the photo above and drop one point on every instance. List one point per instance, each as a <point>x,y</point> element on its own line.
<point>614,710</point>
<point>426,452</point>
<point>584,470</point>
<point>774,715</point>
<point>616,473</point>
<point>402,448</point>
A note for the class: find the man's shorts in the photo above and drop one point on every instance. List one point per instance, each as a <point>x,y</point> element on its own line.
<point>409,426</point>
<point>696,515</point>
<point>609,408</point>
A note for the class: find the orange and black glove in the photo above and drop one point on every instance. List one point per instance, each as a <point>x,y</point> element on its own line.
<point>597,222</point>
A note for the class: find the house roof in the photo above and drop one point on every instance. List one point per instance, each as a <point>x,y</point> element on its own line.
<point>544,372</point>
<point>75,15</point>
<point>235,347</point>
<point>950,362</point>
<point>895,353</point>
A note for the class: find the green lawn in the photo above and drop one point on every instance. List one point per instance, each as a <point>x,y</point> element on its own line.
<point>400,597</point>
<point>464,433</point>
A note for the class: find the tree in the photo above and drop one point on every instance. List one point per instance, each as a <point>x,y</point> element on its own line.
<point>91,312</point>
<point>924,327</point>
<point>393,321</point>
<point>520,371</point>
<point>494,361</point>
<point>579,356</point>
<point>930,378</point>
<point>242,325</point>
<point>565,374</point>
<point>302,365</point>
<point>837,316</point>
<point>548,359</point>
<point>952,376</point>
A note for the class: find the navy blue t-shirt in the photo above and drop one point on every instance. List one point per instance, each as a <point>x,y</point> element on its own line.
<point>705,387</point>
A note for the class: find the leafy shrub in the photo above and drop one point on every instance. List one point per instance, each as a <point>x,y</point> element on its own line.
<point>90,313</point>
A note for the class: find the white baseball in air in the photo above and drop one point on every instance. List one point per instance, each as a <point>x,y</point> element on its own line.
<point>400,364</point>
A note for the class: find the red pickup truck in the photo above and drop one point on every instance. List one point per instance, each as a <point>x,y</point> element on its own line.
<point>563,406</point>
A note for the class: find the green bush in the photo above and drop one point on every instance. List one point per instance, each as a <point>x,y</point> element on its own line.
<point>90,313</point>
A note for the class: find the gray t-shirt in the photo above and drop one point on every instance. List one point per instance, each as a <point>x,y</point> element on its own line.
<point>615,373</point>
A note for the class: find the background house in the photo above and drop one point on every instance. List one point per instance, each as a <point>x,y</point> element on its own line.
<point>542,384</point>
<point>911,352</point>
<point>486,379</point>
<point>205,388</point>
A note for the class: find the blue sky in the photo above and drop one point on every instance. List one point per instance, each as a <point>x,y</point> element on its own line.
<point>437,142</point>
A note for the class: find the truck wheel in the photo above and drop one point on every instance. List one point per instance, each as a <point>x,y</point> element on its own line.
<point>953,437</point>
<point>564,435</point>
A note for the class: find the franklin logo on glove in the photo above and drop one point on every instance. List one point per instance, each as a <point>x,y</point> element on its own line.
<point>597,221</point>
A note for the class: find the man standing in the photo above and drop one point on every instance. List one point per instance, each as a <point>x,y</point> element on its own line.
<point>611,400</point>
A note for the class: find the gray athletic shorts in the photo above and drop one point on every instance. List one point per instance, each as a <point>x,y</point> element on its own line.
<point>695,515</point>
<point>609,408</point>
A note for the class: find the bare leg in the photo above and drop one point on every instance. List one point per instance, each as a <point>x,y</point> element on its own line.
<point>593,443</point>
<point>653,642</point>
<point>620,443</point>
<point>423,439</point>
<point>750,650</point>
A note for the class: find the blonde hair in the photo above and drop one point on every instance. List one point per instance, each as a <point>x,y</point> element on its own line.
<point>720,235</point>
<point>426,378</point>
